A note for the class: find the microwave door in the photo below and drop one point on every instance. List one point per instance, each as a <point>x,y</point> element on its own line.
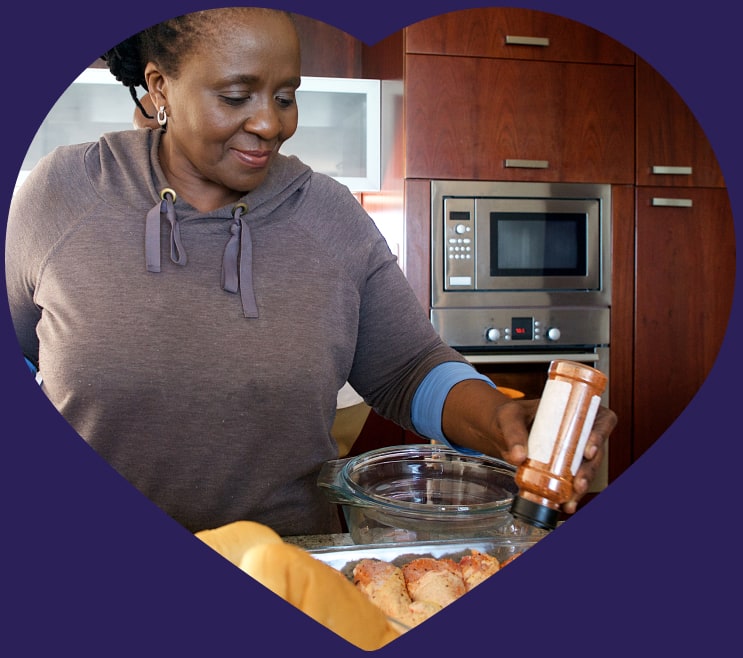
<point>537,245</point>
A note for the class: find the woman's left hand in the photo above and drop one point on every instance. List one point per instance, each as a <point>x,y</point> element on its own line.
<point>479,417</point>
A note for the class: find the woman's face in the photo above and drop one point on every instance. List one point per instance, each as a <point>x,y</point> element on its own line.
<point>230,108</point>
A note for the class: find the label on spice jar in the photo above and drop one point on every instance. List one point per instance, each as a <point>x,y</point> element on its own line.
<point>590,417</point>
<point>546,423</point>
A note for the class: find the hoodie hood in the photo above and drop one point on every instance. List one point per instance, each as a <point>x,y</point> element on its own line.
<point>284,180</point>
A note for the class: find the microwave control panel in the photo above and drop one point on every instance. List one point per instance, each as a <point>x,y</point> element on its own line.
<point>460,240</point>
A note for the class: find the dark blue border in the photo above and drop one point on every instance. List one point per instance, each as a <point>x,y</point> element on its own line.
<point>90,568</point>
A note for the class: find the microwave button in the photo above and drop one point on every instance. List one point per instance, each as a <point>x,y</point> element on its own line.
<point>461,228</point>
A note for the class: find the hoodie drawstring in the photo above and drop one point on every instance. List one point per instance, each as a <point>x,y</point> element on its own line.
<point>166,209</point>
<point>237,260</point>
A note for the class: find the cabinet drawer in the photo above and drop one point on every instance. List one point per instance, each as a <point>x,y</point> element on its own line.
<point>515,34</point>
<point>475,118</point>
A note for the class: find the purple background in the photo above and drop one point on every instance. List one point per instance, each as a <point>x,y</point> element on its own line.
<point>91,567</point>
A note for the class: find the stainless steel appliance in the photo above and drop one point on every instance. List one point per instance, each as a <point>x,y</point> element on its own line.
<point>520,244</point>
<point>521,275</point>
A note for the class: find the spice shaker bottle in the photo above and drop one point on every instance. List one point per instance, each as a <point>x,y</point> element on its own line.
<point>557,438</point>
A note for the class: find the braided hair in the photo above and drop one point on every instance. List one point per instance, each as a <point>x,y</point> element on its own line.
<point>125,63</point>
<point>165,44</point>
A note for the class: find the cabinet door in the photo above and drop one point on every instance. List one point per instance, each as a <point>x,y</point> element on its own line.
<point>475,118</point>
<point>669,138</point>
<point>327,50</point>
<point>514,33</point>
<point>685,270</point>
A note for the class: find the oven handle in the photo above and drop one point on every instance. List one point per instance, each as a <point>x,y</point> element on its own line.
<point>583,357</point>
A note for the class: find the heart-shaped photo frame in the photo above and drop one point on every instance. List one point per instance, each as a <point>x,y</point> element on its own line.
<point>102,569</point>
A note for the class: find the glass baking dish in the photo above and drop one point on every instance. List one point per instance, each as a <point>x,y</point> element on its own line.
<point>345,558</point>
<point>423,492</point>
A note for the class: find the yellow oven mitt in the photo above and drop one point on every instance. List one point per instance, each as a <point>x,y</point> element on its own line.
<point>310,585</point>
<point>232,540</point>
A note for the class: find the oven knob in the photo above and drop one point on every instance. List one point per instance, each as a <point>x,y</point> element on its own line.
<point>553,333</point>
<point>492,335</point>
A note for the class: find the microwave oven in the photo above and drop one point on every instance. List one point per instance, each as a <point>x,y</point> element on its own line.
<point>496,244</point>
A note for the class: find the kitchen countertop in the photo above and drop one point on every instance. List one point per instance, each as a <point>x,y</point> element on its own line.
<point>312,542</point>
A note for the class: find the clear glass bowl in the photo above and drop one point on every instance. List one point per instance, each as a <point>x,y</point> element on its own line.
<point>421,493</point>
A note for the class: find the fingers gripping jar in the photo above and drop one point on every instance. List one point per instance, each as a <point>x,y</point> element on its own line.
<point>557,439</point>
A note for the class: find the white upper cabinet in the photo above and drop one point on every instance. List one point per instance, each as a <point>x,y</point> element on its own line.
<point>339,132</point>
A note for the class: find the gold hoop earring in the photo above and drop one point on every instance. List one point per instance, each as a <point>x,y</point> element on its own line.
<point>162,117</point>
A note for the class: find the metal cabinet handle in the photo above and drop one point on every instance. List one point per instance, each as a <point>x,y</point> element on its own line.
<point>526,164</point>
<point>674,171</point>
<point>671,203</point>
<point>514,40</point>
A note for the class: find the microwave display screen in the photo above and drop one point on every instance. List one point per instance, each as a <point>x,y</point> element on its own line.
<point>537,244</point>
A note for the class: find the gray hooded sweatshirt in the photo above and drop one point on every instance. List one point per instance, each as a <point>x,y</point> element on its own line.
<point>200,354</point>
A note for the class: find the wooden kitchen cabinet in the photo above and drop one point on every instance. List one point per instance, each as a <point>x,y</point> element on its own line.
<point>684,257</point>
<point>512,94</point>
<point>669,138</point>
<point>685,267</point>
<point>478,118</point>
<point>514,33</point>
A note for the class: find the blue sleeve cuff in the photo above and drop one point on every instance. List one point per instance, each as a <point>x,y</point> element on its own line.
<point>34,371</point>
<point>428,401</point>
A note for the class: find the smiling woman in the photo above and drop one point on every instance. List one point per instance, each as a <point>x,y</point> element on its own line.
<point>224,123</point>
<point>216,294</point>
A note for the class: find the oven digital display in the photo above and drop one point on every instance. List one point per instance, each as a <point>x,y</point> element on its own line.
<point>522,328</point>
<point>537,244</point>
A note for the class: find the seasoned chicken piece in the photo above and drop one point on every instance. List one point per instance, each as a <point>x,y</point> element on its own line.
<point>477,567</point>
<point>384,584</point>
<point>436,581</point>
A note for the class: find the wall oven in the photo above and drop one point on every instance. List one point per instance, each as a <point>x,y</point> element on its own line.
<point>521,275</point>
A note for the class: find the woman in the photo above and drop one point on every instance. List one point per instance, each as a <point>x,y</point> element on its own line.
<point>194,300</point>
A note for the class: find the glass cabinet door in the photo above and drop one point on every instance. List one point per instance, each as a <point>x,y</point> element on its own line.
<point>95,103</point>
<point>338,133</point>
<point>339,130</point>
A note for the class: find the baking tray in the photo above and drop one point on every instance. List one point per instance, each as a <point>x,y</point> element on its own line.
<point>345,558</point>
